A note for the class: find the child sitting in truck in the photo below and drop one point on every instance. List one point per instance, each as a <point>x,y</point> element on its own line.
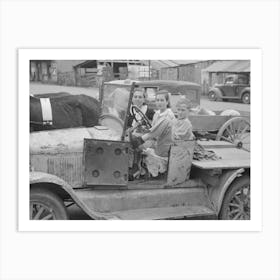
<point>182,128</point>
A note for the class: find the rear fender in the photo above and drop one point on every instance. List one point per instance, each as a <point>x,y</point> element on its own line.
<point>246,89</point>
<point>217,193</point>
<point>56,184</point>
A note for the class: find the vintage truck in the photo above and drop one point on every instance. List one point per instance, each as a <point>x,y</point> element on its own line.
<point>89,167</point>
<point>235,87</point>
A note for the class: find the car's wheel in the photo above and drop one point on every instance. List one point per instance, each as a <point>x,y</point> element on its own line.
<point>46,205</point>
<point>212,96</point>
<point>246,98</point>
<point>236,203</point>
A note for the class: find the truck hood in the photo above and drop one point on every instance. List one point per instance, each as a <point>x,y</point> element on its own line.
<point>70,140</point>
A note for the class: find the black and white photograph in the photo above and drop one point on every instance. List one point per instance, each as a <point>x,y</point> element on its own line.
<point>139,139</point>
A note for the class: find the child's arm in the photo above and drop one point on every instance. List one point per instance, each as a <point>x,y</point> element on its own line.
<point>183,131</point>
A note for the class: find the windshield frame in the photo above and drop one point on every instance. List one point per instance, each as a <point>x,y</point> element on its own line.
<point>130,89</point>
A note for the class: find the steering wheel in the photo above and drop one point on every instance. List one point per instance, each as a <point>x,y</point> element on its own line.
<point>143,119</point>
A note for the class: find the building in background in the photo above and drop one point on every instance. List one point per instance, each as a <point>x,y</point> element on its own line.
<point>53,71</point>
<point>88,72</point>
<point>183,70</point>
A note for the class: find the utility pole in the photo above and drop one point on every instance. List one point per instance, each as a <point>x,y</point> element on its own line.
<point>149,69</point>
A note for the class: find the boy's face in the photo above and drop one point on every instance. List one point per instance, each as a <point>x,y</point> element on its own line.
<point>183,111</point>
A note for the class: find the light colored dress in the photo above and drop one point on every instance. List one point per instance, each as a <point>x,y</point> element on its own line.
<point>182,130</point>
<point>161,131</point>
<point>156,159</point>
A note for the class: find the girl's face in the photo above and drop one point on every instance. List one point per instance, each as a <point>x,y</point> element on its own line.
<point>138,98</point>
<point>183,112</point>
<point>161,102</point>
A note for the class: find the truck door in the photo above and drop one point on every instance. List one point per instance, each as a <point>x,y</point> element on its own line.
<point>241,82</point>
<point>105,163</point>
<point>228,87</point>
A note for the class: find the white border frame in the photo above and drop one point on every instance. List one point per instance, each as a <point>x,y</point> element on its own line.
<point>254,55</point>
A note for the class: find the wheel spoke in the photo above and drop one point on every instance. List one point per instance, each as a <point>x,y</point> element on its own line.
<point>234,205</point>
<point>48,217</point>
<point>229,134</point>
<point>244,129</point>
<point>237,216</point>
<point>225,138</point>
<point>232,130</point>
<point>234,211</point>
<point>238,199</point>
<point>39,213</point>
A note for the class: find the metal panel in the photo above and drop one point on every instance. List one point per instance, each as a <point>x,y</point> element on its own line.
<point>180,161</point>
<point>106,162</point>
<point>65,166</point>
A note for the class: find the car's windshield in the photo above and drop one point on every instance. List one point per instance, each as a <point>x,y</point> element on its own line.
<point>115,101</point>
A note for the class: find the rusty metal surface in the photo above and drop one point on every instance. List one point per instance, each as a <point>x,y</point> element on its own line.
<point>68,140</point>
<point>216,194</point>
<point>180,161</point>
<point>166,213</point>
<point>68,167</point>
<point>57,183</point>
<point>110,201</point>
<point>105,162</point>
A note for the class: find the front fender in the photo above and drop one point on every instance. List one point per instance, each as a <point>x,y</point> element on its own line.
<point>41,177</point>
<point>217,193</point>
<point>217,91</point>
<point>56,182</point>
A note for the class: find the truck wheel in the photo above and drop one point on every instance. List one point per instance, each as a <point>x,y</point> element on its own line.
<point>212,96</point>
<point>236,203</point>
<point>46,205</point>
<point>246,98</point>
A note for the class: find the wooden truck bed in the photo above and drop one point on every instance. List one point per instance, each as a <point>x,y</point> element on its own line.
<point>231,157</point>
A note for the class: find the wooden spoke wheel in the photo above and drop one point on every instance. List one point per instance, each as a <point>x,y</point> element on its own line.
<point>45,205</point>
<point>236,203</point>
<point>236,131</point>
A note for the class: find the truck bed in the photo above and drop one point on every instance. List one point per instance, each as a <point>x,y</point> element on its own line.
<point>231,157</point>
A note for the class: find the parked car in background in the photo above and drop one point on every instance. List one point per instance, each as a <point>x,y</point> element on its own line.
<point>176,88</point>
<point>236,86</point>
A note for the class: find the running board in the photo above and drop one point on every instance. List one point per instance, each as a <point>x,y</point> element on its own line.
<point>167,213</point>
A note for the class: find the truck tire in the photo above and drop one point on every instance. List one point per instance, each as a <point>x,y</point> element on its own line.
<point>46,205</point>
<point>236,202</point>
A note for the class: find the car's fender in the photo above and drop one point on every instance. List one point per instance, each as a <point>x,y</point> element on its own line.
<point>217,91</point>
<point>55,183</point>
<point>217,193</point>
<point>246,89</point>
